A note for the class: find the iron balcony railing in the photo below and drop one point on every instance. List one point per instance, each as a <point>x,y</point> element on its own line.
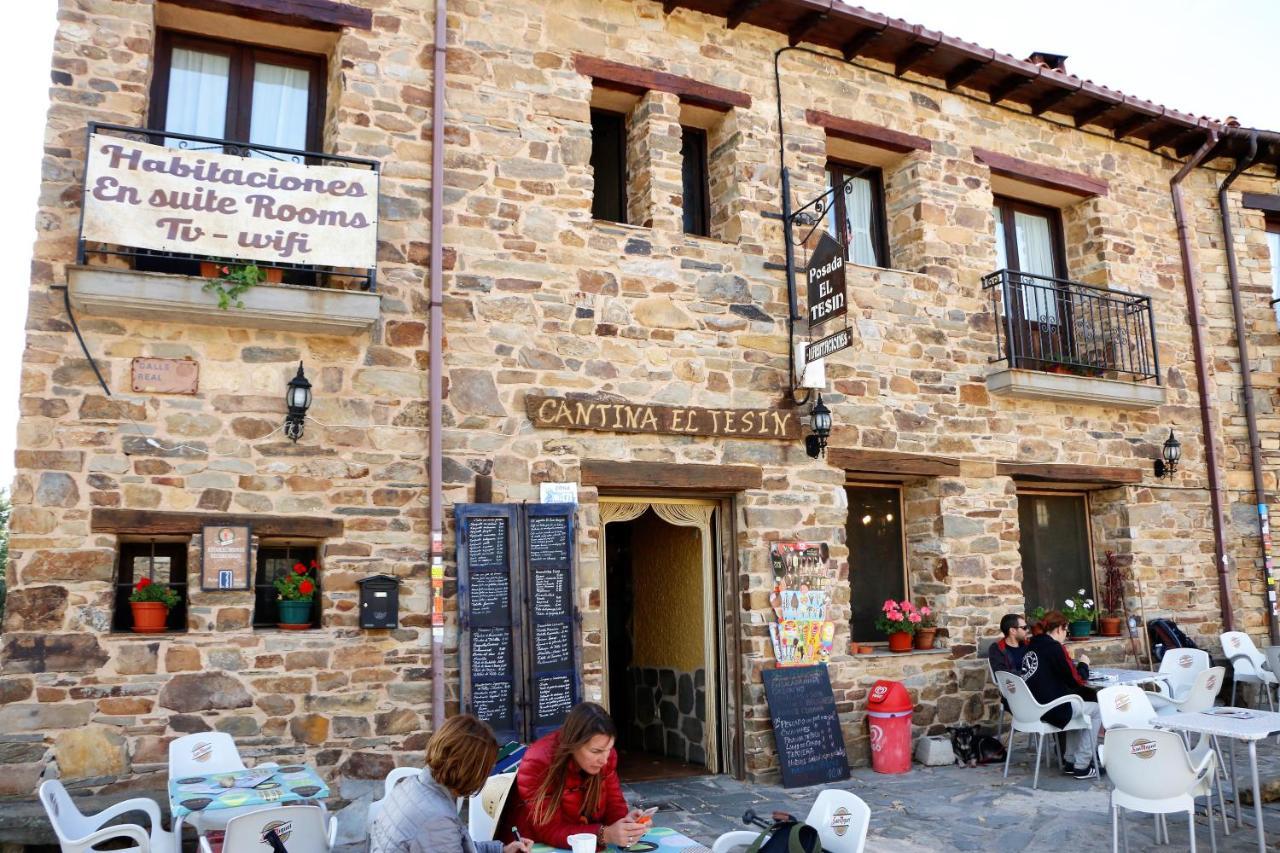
<point>345,278</point>
<point>1061,326</point>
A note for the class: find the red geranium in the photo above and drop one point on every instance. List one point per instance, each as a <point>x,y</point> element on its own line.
<point>306,587</point>
<point>296,585</point>
<point>299,568</point>
<point>145,582</point>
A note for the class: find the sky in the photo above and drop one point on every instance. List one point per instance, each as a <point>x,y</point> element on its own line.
<point>1206,58</point>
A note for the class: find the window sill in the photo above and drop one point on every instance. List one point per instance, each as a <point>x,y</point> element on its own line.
<point>113,292</point>
<point>882,651</point>
<point>126,634</point>
<point>1064,388</point>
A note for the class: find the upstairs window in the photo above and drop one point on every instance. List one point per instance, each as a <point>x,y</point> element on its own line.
<point>856,213</point>
<point>609,163</point>
<point>697,192</point>
<point>226,90</point>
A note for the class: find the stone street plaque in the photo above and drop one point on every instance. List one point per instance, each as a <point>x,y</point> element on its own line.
<point>225,559</point>
<point>612,416</point>
<point>825,276</point>
<point>827,346</point>
<point>164,375</point>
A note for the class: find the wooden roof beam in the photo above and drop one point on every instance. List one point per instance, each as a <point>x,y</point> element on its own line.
<point>1008,86</point>
<point>859,42</point>
<point>911,57</point>
<point>1164,136</point>
<point>804,26</point>
<point>668,6</point>
<point>1129,125</point>
<point>1190,141</point>
<point>739,12</point>
<point>1050,100</point>
<point>963,72</point>
<point>1092,112</point>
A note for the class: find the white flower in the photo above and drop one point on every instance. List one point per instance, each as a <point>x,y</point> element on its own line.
<point>1070,603</point>
<point>1081,591</point>
<point>1088,602</point>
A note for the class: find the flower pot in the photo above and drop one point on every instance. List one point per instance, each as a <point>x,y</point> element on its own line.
<point>210,269</point>
<point>149,617</point>
<point>866,650</point>
<point>295,613</point>
<point>1080,628</point>
<point>1109,626</point>
<point>925,637</point>
<point>900,642</point>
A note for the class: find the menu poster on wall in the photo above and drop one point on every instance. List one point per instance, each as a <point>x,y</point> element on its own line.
<point>225,557</point>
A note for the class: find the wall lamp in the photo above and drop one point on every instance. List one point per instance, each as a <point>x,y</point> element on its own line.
<point>298,399</point>
<point>1167,465</point>
<point>820,422</point>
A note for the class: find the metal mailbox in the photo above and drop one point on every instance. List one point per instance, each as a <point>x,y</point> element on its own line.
<point>379,602</point>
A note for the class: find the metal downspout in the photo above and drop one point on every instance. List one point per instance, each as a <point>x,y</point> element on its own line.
<point>1208,428</point>
<point>435,370</point>
<point>1246,376</point>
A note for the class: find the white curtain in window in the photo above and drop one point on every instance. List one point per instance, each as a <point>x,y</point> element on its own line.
<point>1002,254</point>
<point>833,227</point>
<point>279,106</point>
<point>1273,243</point>
<point>857,205</point>
<point>1035,255</point>
<point>197,101</point>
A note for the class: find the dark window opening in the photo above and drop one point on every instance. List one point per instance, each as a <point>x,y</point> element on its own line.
<point>609,163</point>
<point>877,561</point>
<point>696,183</point>
<point>277,562</point>
<point>855,215</point>
<point>1054,541</point>
<point>163,563</point>
<point>1273,249</point>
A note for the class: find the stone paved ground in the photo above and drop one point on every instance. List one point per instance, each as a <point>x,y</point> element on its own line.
<point>953,808</point>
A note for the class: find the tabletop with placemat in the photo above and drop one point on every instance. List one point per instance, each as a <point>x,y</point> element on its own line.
<point>658,839</point>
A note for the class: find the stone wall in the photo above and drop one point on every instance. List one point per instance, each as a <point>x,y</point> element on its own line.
<point>670,712</point>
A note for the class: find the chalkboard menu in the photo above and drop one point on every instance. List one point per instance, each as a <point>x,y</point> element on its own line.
<point>554,686</point>
<point>805,725</point>
<point>487,543</point>
<point>490,598</point>
<point>553,699</point>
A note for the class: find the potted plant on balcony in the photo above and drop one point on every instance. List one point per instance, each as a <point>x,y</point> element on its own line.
<point>150,603</point>
<point>927,629</point>
<point>230,281</point>
<point>1112,596</point>
<point>898,620</point>
<point>295,592</point>
<point>1080,612</point>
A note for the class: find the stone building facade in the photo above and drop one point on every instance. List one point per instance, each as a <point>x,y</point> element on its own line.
<point>542,298</point>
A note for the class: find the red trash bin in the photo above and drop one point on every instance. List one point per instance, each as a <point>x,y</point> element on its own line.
<point>889,719</point>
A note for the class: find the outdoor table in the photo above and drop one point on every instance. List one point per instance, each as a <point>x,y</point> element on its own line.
<point>1112,677</point>
<point>1244,724</point>
<point>293,783</point>
<point>658,839</point>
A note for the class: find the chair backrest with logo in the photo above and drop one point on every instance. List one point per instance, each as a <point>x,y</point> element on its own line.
<point>1243,654</point>
<point>1148,763</point>
<point>203,753</point>
<point>841,819</point>
<point>1203,691</point>
<point>1022,704</point>
<point>1180,668</point>
<point>300,829</point>
<point>1124,705</point>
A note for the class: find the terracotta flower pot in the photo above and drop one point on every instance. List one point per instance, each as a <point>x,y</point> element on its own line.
<point>1109,626</point>
<point>866,650</point>
<point>149,617</point>
<point>900,642</point>
<point>925,637</point>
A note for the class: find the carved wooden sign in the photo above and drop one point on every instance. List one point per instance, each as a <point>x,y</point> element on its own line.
<point>610,416</point>
<point>165,375</point>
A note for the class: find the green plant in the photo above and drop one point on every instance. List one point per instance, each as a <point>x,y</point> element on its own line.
<point>1079,609</point>
<point>145,590</point>
<point>1037,615</point>
<point>232,281</point>
<point>297,585</point>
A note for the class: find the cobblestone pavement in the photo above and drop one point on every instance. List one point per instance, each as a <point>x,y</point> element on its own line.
<point>954,808</point>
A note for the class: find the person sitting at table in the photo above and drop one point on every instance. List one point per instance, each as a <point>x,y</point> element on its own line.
<point>568,784</point>
<point>420,815</point>
<point>1051,674</point>
<point>1005,654</point>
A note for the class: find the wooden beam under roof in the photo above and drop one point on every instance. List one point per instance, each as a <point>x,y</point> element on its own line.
<point>1093,112</point>
<point>804,26</point>
<point>1008,86</point>
<point>1051,99</point>
<point>963,72</point>
<point>1191,141</point>
<point>1164,136</point>
<point>860,41</point>
<point>1129,125</point>
<point>912,56</point>
<point>739,11</point>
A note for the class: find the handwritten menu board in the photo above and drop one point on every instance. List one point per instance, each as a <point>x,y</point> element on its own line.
<point>554,685</point>
<point>490,598</point>
<point>805,725</point>
<point>553,699</point>
<point>487,543</point>
<point>552,646</point>
<point>491,653</point>
<point>494,702</point>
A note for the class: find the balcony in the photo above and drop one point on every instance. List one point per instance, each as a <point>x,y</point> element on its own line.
<point>166,215</point>
<point>1065,341</point>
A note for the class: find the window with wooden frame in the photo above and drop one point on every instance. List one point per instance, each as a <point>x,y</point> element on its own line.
<point>696,183</point>
<point>1273,247</point>
<point>856,213</point>
<point>1056,547</point>
<point>277,561</point>
<point>609,164</point>
<point>875,535</point>
<point>162,563</point>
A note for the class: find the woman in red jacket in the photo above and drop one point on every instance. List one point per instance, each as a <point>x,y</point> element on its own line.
<point>568,784</point>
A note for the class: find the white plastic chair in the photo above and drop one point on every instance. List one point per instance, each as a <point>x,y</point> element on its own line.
<point>1026,712</point>
<point>78,833</point>
<point>1000,727</point>
<point>1180,668</point>
<point>395,777</point>
<point>1249,666</point>
<point>199,755</point>
<point>1200,697</point>
<point>1152,772</point>
<point>841,818</point>
<point>301,829</point>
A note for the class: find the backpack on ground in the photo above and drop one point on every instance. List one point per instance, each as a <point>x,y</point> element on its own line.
<point>1165,635</point>
<point>786,836</point>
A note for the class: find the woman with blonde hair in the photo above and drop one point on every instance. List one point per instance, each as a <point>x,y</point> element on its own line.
<point>420,814</point>
<point>568,784</point>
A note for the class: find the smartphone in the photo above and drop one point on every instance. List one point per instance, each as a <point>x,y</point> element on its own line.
<point>646,815</point>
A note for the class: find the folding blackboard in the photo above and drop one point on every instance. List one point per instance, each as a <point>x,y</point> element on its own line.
<point>554,685</point>
<point>805,725</point>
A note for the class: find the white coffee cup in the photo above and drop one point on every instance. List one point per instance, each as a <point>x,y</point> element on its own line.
<point>583,842</point>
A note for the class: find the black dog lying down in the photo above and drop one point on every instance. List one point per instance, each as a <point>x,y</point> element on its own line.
<point>971,747</point>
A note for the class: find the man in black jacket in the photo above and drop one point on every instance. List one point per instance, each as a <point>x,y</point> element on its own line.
<point>1051,674</point>
<point>1005,654</point>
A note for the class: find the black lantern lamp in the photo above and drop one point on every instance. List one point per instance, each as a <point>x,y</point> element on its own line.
<point>820,422</point>
<point>298,399</point>
<point>1167,466</point>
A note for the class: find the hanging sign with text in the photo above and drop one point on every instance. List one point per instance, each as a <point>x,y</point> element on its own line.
<point>221,205</point>
<point>607,416</point>
<point>825,276</point>
<point>828,346</point>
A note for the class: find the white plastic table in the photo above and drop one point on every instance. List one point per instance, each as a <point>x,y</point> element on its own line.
<point>1244,724</point>
<point>1122,676</point>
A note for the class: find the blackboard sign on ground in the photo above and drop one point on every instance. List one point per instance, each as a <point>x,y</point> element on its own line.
<point>805,725</point>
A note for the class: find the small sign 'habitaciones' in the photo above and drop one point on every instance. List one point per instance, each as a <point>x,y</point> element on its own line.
<point>225,563</point>
<point>609,416</point>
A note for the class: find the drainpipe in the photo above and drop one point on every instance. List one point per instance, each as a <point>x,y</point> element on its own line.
<point>1208,427</point>
<point>435,371</point>
<point>1246,375</point>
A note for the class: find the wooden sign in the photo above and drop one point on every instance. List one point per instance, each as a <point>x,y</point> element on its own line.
<point>826,281</point>
<point>225,561</point>
<point>165,375</point>
<point>829,345</point>
<point>608,416</point>
<point>805,726</point>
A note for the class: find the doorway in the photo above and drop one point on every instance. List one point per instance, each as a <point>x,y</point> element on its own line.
<point>662,637</point>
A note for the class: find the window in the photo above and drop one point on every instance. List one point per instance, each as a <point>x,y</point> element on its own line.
<point>697,191</point>
<point>1057,557</point>
<point>277,561</point>
<point>877,560</point>
<point>162,562</point>
<point>227,90</point>
<point>857,212</point>
<point>609,163</point>
<point>1273,245</point>
<point>1029,240</point>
